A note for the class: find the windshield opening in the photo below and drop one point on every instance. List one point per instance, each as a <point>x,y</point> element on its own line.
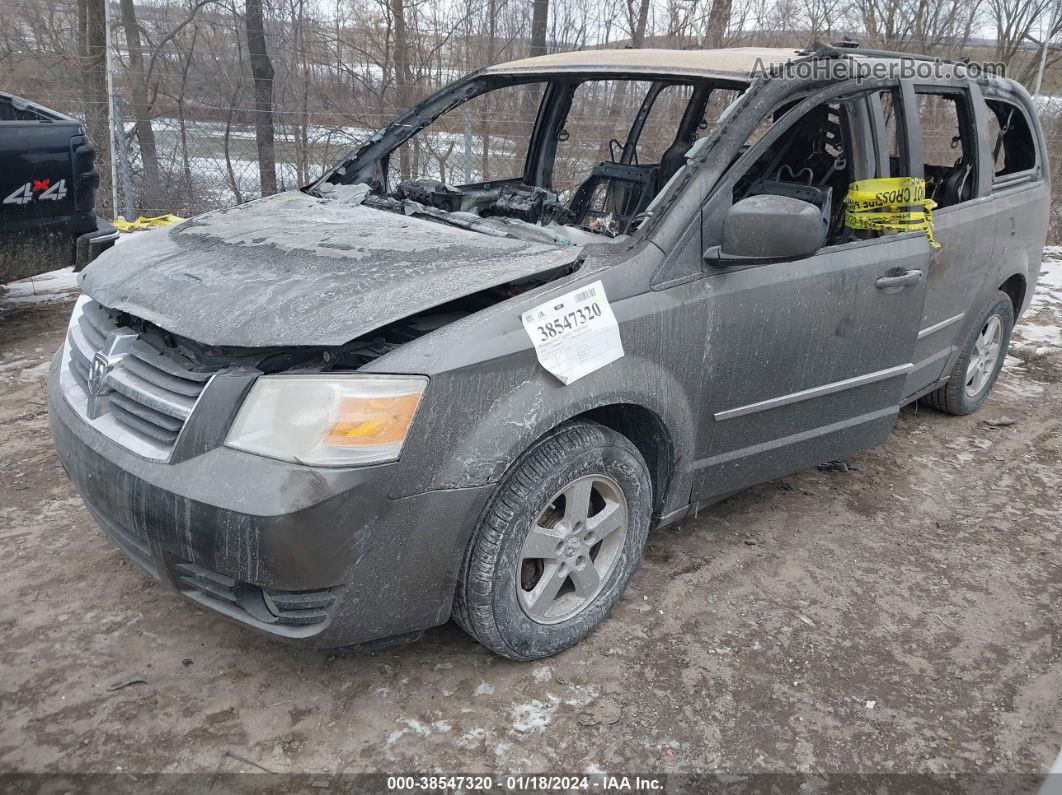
<point>568,160</point>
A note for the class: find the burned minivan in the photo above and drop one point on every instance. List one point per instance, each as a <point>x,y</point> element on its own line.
<point>562,302</point>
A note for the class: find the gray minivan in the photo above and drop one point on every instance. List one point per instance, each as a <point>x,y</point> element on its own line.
<point>561,302</point>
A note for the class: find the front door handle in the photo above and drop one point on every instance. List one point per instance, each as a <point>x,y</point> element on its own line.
<point>903,280</point>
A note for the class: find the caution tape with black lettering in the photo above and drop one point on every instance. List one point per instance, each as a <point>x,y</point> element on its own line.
<point>890,204</point>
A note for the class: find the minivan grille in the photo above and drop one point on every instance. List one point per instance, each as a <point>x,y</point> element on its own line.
<point>149,391</point>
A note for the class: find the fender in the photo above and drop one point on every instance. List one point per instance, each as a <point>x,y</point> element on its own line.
<point>489,398</point>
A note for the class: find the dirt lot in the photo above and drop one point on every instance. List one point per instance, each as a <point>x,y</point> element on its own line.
<point>900,617</point>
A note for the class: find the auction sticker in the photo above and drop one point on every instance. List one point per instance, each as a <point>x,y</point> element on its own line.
<point>575,334</point>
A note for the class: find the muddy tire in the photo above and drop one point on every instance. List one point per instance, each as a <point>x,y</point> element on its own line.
<point>558,543</point>
<point>975,373</point>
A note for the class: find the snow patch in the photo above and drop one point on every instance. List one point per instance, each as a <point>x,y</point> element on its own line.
<point>1040,332</point>
<point>52,286</point>
<point>542,674</point>
<point>535,715</point>
<point>472,738</point>
<point>35,373</point>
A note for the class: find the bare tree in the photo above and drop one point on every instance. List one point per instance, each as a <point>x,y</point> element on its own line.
<point>145,133</point>
<point>403,74</point>
<point>539,23</point>
<point>718,23</point>
<point>638,16</point>
<point>1014,21</point>
<point>262,72</point>
<point>92,48</point>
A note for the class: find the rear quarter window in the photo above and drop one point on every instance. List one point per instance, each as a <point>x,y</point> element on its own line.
<point>1013,146</point>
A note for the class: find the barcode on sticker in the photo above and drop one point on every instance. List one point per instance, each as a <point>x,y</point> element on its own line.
<point>585,295</point>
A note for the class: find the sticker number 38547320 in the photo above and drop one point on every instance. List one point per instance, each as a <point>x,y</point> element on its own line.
<point>575,333</point>
<point>37,190</point>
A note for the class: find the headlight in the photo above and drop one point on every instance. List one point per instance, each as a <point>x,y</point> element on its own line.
<point>327,419</point>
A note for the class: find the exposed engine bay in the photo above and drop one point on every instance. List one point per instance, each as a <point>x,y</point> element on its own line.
<point>530,213</point>
<point>507,210</point>
<point>352,355</point>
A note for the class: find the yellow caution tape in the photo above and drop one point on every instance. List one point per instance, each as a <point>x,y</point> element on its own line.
<point>891,204</point>
<point>145,223</point>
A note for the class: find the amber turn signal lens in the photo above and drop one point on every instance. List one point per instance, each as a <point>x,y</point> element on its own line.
<point>372,420</point>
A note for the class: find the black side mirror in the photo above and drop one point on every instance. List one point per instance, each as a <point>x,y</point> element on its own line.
<point>769,228</point>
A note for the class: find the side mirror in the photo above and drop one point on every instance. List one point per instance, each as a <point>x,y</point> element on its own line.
<point>769,228</point>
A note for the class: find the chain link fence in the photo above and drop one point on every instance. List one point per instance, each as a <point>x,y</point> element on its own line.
<point>207,164</point>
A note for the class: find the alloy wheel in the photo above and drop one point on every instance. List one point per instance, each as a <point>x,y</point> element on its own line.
<point>572,549</point>
<point>984,356</point>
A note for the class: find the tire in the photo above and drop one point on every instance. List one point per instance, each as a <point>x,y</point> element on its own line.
<point>967,389</point>
<point>503,597</point>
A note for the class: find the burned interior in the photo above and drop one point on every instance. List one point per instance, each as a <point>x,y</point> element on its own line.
<point>562,159</point>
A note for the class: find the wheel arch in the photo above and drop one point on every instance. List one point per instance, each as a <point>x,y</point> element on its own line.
<point>1016,287</point>
<point>647,431</point>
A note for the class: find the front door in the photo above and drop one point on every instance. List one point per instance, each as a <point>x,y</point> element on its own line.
<point>806,360</point>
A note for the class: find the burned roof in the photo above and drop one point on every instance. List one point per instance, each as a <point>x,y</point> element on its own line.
<point>733,62</point>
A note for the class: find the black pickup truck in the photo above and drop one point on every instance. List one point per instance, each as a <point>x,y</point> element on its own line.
<point>48,181</point>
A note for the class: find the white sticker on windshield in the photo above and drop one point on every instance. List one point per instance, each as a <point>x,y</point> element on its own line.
<point>575,333</point>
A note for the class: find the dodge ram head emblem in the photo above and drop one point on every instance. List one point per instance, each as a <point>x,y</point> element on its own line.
<point>104,361</point>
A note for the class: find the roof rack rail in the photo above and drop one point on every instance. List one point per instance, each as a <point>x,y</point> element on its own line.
<point>845,47</point>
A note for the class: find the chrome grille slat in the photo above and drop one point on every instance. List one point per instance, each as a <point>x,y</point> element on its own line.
<point>141,425</point>
<point>151,395</point>
<point>80,344</point>
<point>92,334</point>
<point>164,421</point>
<point>77,356</point>
<point>155,375</point>
<point>150,390</point>
<point>81,372</point>
<point>171,366</point>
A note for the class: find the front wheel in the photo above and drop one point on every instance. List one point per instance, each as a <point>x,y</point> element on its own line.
<point>980,361</point>
<point>558,543</point>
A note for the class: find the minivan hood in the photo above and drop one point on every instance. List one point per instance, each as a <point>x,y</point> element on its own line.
<point>293,269</point>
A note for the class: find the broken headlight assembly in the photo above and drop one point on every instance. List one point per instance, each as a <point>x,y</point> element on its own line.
<point>328,420</point>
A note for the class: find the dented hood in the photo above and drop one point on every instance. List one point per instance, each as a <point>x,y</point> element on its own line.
<point>293,269</point>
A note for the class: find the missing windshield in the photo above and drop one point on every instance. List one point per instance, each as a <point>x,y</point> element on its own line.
<point>568,161</point>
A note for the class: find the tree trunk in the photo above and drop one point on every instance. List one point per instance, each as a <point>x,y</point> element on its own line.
<point>403,77</point>
<point>188,191</point>
<point>149,190</point>
<point>486,103</point>
<point>638,34</point>
<point>93,51</point>
<point>234,184</point>
<point>539,23</point>
<point>262,71</point>
<point>718,22</point>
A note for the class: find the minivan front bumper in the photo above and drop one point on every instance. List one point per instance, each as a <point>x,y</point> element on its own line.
<point>320,558</point>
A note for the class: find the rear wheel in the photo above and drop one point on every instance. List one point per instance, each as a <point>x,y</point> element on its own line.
<point>558,543</point>
<point>978,366</point>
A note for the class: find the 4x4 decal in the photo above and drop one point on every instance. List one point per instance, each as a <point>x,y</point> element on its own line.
<point>24,193</point>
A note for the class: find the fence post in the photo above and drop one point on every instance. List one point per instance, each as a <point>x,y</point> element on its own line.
<point>108,66</point>
<point>468,145</point>
<point>122,158</point>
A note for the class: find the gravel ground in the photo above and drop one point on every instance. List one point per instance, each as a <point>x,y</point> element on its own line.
<point>898,617</point>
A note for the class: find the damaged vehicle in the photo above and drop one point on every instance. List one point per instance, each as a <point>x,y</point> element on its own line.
<point>562,302</point>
